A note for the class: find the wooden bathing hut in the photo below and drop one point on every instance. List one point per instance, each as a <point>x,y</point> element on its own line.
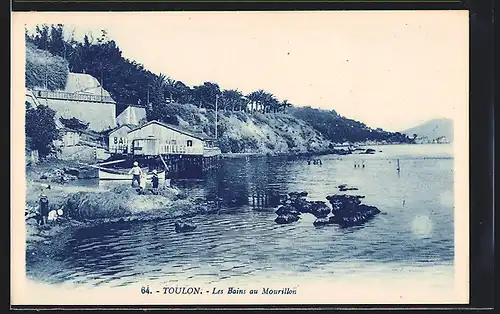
<point>186,153</point>
<point>118,140</point>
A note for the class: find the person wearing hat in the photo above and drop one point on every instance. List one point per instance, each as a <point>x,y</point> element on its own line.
<point>43,209</point>
<point>136,172</point>
<point>155,181</point>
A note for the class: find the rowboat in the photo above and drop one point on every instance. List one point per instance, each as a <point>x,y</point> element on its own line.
<point>116,175</point>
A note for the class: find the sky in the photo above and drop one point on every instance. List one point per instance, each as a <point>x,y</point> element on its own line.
<point>392,70</point>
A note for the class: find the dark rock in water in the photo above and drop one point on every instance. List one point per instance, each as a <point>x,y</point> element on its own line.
<point>348,210</point>
<point>294,195</point>
<point>302,205</point>
<point>345,187</point>
<point>369,151</point>
<point>297,200</point>
<point>182,226</point>
<point>344,202</point>
<point>320,209</point>
<point>287,209</point>
<point>322,221</point>
<point>369,210</point>
<point>286,219</point>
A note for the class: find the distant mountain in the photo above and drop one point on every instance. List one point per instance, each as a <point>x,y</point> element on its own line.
<point>435,130</point>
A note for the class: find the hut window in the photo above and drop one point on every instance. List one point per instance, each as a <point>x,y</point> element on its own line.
<point>173,142</point>
<point>189,143</point>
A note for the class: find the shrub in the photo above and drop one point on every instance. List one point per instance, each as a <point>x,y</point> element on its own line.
<point>40,65</point>
<point>41,128</point>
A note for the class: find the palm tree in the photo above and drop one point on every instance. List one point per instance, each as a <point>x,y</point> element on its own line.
<point>284,105</point>
<point>271,104</point>
<point>161,81</point>
<point>170,85</point>
<point>256,99</point>
<point>231,99</point>
<point>244,103</point>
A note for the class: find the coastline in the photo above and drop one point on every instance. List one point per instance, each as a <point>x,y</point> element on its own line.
<point>86,207</point>
<point>43,243</point>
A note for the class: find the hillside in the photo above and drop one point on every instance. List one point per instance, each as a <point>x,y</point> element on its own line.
<point>340,129</point>
<point>41,65</point>
<point>432,130</point>
<point>258,122</point>
<point>241,132</point>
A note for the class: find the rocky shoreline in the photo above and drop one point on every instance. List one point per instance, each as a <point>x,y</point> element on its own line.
<point>346,210</point>
<point>91,208</point>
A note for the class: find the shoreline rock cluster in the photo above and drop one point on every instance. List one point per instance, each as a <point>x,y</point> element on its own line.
<point>67,174</point>
<point>345,211</point>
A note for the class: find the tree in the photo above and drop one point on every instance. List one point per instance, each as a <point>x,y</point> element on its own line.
<point>75,123</point>
<point>56,42</point>
<point>41,128</point>
<point>232,99</point>
<point>284,105</point>
<point>41,38</point>
<point>170,87</point>
<point>271,103</point>
<point>256,99</point>
<point>205,95</point>
<point>156,98</point>
<point>184,93</point>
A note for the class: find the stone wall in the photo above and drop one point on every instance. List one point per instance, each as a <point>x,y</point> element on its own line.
<point>101,116</point>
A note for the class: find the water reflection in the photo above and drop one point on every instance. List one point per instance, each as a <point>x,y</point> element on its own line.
<point>243,239</point>
<point>241,182</point>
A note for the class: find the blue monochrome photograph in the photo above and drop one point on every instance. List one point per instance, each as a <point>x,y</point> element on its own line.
<point>245,157</point>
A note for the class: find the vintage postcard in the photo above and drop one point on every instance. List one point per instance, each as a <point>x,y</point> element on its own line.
<point>176,158</point>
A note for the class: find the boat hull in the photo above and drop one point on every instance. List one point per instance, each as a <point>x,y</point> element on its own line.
<point>106,175</point>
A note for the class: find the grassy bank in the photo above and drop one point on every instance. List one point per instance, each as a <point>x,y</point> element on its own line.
<point>85,207</point>
<point>44,68</point>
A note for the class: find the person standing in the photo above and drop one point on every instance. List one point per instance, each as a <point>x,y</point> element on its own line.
<point>142,184</point>
<point>43,209</point>
<point>155,182</point>
<point>136,172</point>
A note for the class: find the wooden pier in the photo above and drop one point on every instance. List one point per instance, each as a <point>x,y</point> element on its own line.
<point>155,144</point>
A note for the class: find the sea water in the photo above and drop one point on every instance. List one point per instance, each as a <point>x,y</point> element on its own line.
<point>413,235</point>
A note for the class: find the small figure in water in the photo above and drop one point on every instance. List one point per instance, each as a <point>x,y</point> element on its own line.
<point>363,163</point>
<point>309,161</point>
<point>403,203</point>
<point>319,162</point>
<point>155,181</point>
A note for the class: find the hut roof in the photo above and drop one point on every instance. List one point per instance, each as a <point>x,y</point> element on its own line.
<point>130,126</point>
<point>176,128</point>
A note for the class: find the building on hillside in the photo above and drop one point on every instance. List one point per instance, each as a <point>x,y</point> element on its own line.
<point>132,115</point>
<point>83,98</point>
<point>157,138</point>
<point>441,140</point>
<point>253,106</point>
<point>69,138</point>
<point>117,139</point>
